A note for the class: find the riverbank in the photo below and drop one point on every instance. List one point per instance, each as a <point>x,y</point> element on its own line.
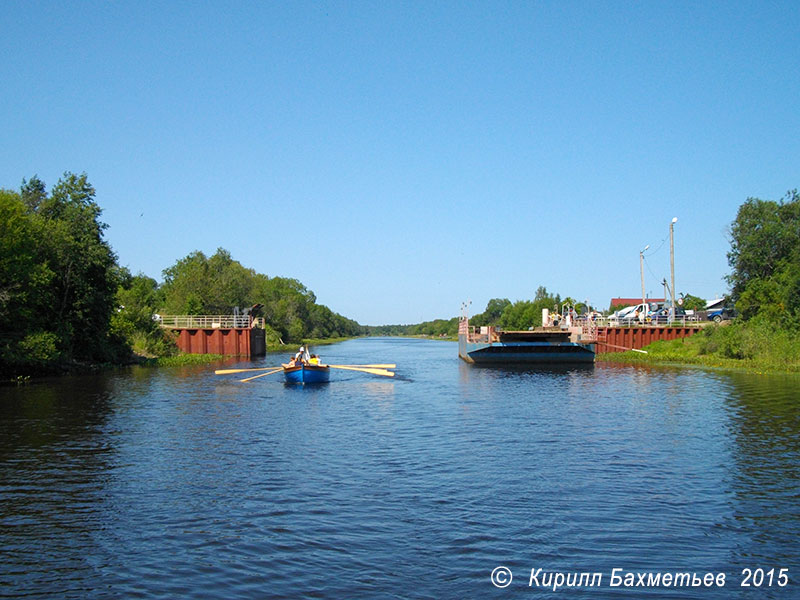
<point>179,360</point>
<point>292,347</point>
<point>689,352</point>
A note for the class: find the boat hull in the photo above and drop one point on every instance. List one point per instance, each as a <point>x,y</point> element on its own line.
<point>307,374</point>
<point>516,355</point>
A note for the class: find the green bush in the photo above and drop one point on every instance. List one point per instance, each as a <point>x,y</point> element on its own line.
<point>38,349</point>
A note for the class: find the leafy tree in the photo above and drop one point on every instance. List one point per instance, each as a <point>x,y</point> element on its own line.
<point>186,285</point>
<point>138,298</point>
<point>197,284</point>
<point>491,316</point>
<point>33,193</point>
<point>86,281</point>
<point>693,302</point>
<point>764,258</point>
<point>58,276</point>
<point>24,279</point>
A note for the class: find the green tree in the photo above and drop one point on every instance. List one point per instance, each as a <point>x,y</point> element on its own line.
<point>33,193</point>
<point>186,285</point>
<point>491,315</point>
<point>764,258</point>
<point>200,285</point>
<point>138,298</point>
<point>24,281</point>
<point>86,279</point>
<point>693,302</point>
<point>58,276</point>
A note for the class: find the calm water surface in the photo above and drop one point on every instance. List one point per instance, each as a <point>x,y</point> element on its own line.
<point>176,483</point>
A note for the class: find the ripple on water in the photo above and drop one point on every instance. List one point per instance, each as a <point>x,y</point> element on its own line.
<point>165,483</point>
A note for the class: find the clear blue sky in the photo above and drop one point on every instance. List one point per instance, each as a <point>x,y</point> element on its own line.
<point>400,158</point>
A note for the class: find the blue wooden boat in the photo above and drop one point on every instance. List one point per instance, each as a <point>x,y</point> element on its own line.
<point>306,373</point>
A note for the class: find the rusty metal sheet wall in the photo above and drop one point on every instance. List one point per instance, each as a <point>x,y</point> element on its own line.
<point>619,339</point>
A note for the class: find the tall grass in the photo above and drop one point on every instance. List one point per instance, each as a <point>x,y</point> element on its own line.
<point>757,345</point>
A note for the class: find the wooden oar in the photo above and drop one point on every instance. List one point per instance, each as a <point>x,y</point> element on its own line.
<point>232,371</point>
<point>381,366</point>
<point>622,347</point>
<point>262,375</point>
<point>383,372</point>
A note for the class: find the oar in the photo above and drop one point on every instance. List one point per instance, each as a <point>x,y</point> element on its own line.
<point>232,371</point>
<point>622,347</point>
<point>381,366</point>
<point>262,375</point>
<point>383,372</point>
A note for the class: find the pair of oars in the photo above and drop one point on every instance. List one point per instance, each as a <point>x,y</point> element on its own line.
<point>374,369</point>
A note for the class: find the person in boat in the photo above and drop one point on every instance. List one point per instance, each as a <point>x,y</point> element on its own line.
<point>314,360</point>
<point>300,357</point>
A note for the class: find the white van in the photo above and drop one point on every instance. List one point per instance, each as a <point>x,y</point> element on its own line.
<point>629,316</point>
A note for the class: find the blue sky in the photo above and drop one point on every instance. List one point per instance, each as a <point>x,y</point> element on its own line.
<point>401,158</point>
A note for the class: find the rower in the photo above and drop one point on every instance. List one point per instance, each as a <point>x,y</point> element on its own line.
<point>301,355</point>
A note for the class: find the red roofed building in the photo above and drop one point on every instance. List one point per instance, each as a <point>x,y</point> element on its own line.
<point>634,301</point>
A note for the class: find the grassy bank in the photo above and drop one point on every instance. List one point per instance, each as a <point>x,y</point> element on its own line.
<point>757,346</point>
<point>182,360</point>
<point>291,348</point>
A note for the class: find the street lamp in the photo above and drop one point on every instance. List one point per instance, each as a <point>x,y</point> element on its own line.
<point>641,270</point>
<point>672,265</point>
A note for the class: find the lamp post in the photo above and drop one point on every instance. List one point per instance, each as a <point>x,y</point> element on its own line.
<point>672,266</point>
<point>641,270</point>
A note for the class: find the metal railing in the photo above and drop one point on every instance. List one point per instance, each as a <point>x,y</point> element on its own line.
<point>209,321</point>
<point>678,321</point>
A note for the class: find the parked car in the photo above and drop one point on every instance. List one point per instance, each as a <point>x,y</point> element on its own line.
<point>661,316</point>
<point>721,314</point>
<point>631,315</point>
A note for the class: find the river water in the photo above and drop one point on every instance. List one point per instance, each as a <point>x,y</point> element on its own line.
<point>177,483</point>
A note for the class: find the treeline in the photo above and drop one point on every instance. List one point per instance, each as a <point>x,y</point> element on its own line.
<point>65,300</point>
<point>435,328</point>
<point>198,284</point>
<point>522,314</point>
<point>499,312</point>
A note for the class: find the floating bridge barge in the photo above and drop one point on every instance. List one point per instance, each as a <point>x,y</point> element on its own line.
<point>543,346</point>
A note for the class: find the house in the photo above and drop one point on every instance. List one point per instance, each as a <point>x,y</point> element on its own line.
<point>715,304</point>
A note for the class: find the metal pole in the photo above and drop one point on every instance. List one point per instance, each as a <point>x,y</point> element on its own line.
<point>672,266</point>
<point>641,270</point>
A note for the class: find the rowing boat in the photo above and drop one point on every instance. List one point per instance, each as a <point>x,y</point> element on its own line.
<point>306,373</point>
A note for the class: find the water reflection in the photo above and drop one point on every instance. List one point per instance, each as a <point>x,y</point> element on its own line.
<point>765,474</point>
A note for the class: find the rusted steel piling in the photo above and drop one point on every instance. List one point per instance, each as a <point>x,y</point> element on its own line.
<point>230,335</point>
<point>620,339</point>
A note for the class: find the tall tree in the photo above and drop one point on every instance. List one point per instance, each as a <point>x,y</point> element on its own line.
<point>58,273</point>
<point>86,277</point>
<point>765,257</point>
<point>33,192</point>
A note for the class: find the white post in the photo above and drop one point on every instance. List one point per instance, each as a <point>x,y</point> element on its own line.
<point>641,270</point>
<point>672,266</point>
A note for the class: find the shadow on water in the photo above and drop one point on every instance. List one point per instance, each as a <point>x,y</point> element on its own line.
<point>553,369</point>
